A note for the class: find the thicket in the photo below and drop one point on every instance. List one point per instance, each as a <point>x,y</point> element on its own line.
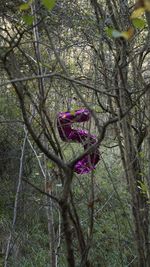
<point>64,55</point>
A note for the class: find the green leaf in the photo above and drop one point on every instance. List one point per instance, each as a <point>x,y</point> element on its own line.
<point>113,33</point>
<point>97,108</point>
<point>50,164</point>
<point>109,31</point>
<point>24,6</point>
<point>143,187</point>
<point>49,4</point>
<point>28,19</point>
<point>138,23</point>
<point>141,154</point>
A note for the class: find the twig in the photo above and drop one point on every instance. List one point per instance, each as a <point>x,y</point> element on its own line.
<point>40,190</point>
<point>16,200</point>
<point>52,74</point>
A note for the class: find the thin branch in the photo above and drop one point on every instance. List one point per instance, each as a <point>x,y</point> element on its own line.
<point>103,130</point>
<point>52,74</point>
<point>40,190</point>
<point>13,71</point>
<point>16,201</point>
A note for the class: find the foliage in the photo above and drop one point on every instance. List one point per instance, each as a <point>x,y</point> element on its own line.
<point>65,55</point>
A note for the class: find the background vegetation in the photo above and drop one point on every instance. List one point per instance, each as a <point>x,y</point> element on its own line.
<point>64,55</point>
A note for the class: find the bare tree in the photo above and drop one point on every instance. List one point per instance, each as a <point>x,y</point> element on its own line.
<point>108,75</point>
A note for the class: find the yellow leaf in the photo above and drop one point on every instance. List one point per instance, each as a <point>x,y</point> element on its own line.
<point>137,12</point>
<point>72,112</point>
<point>147,5</point>
<point>128,34</point>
